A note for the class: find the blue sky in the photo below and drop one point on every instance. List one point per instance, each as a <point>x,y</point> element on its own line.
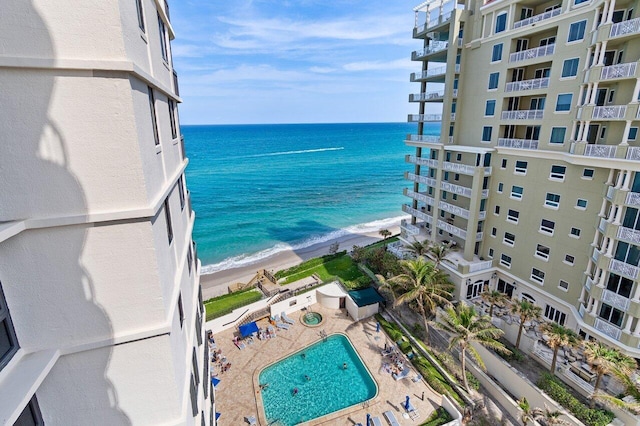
<point>304,61</point>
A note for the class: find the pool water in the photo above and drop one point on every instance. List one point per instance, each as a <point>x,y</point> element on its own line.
<point>312,318</point>
<point>329,386</point>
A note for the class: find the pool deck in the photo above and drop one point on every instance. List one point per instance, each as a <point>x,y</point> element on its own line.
<point>238,395</point>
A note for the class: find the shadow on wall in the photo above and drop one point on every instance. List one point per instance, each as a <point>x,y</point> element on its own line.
<point>37,181</point>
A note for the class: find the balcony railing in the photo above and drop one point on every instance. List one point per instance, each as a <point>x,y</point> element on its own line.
<point>633,199</point>
<point>633,153</point>
<point>424,138</point>
<point>527,114</point>
<point>588,284</point>
<point>453,116</point>
<point>611,112</point>
<point>618,71</point>
<point>624,268</point>
<point>536,83</point>
<point>629,234</point>
<point>596,255</point>
<point>184,153</point>
<point>421,97</point>
<point>422,161</point>
<point>480,266</point>
<point>432,72</point>
<point>414,118</point>
<point>421,179</point>
<point>456,189</point>
<point>458,211</point>
<point>452,229</point>
<point>436,46</point>
<point>615,300</point>
<point>518,143</point>
<point>420,197</point>
<point>537,18</point>
<point>411,229</point>
<point>532,53</point>
<point>459,168</point>
<point>600,151</point>
<point>432,23</point>
<point>417,213</point>
<point>607,328</point>
<point>625,27</point>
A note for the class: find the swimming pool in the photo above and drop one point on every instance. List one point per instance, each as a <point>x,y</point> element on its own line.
<point>323,384</point>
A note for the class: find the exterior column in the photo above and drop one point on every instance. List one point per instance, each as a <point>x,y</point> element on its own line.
<point>603,210</point>
<point>601,276</point>
<point>619,180</point>
<point>627,177</point>
<point>594,309</point>
<point>585,131</point>
<point>610,178</point>
<point>627,328</point>
<point>588,96</point>
<point>580,94</point>
<point>612,8</point>
<point>618,218</point>
<point>636,332</point>
<point>605,11</point>
<point>636,294</point>
<point>594,90</point>
<point>596,54</point>
<point>603,49</point>
<point>625,135</point>
<point>573,131</point>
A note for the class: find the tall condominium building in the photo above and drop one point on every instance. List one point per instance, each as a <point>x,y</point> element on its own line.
<point>533,171</point>
<point>100,318</point>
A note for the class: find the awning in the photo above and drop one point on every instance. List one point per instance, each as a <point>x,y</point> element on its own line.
<point>366,296</point>
<point>215,381</point>
<point>247,329</point>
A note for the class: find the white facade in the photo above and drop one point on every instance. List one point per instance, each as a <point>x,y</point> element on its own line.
<point>101,316</point>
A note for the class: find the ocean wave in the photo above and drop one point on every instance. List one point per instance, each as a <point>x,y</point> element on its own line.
<point>249,259</point>
<point>302,151</point>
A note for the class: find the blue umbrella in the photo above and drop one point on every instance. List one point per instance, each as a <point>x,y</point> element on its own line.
<point>406,403</point>
<point>378,327</point>
<point>368,418</point>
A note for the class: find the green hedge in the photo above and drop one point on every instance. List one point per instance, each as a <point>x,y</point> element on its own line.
<point>309,264</point>
<point>557,390</point>
<point>438,418</point>
<point>225,304</point>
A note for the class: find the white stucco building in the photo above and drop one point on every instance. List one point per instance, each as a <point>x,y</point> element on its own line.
<point>100,318</point>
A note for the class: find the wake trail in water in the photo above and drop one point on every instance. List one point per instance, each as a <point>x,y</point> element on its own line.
<point>303,151</point>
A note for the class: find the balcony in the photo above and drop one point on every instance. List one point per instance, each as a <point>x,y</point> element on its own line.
<point>618,71</point>
<point>419,197</point>
<point>625,269</point>
<point>633,199</point>
<point>518,143</point>
<point>423,138</point>
<point>421,161</point>
<point>459,211</point>
<point>527,114</point>
<point>441,19</point>
<point>611,112</point>
<point>454,230</point>
<point>629,235</point>
<point>536,83</point>
<point>615,300</point>
<point>619,29</point>
<point>608,329</point>
<point>416,118</point>
<point>417,76</point>
<point>600,151</point>
<point>422,97</point>
<point>456,189</point>
<point>458,168</point>
<point>532,53</point>
<point>633,153</point>
<point>537,18</point>
<point>417,213</point>
<point>435,47</point>
<point>420,179</point>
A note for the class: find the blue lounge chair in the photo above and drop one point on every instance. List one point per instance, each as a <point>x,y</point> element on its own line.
<point>391,418</point>
<point>282,325</point>
<point>286,319</point>
<point>404,373</point>
<point>376,421</point>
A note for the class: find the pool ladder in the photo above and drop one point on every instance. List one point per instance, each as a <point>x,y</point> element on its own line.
<point>323,334</point>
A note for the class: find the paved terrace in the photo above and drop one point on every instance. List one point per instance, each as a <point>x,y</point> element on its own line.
<point>238,396</point>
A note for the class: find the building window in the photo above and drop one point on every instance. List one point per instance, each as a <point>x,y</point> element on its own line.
<point>140,14</point>
<point>521,167</point>
<point>194,396</point>
<point>577,2</point>
<point>493,80</point>
<point>563,102</point>
<point>575,232</point>
<point>588,173</point>
<point>458,157</point>
<point>611,314</point>
<point>505,260</point>
<point>194,366</point>
<point>490,253</point>
<point>181,192</point>
<point>633,133</point>
<point>30,415</point>
<point>576,31</point>
<point>553,314</point>
<point>497,52</point>
<point>505,288</point>
<point>496,210</point>
<point>513,216</point>
<point>516,192</point>
<point>547,226</point>
<point>494,231</point>
<point>537,275</point>
<point>542,251</point>
<point>581,204</point>
<point>501,22</point>
<point>569,259</point>
<point>163,38</point>
<point>8,340</point>
<point>557,172</point>
<point>563,285</point>
<point>167,216</point>
<point>552,200</point>
<point>490,109</point>
<point>500,187</point>
<point>620,285</point>
<point>486,133</point>
<point>180,310</point>
<point>154,121</point>
<point>189,259</point>
<point>557,134</point>
<point>456,177</point>
<point>504,163</point>
<point>570,67</point>
<point>172,118</point>
<point>509,239</point>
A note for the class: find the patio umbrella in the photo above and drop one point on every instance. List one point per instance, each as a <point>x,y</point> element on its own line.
<point>378,327</point>
<point>368,418</point>
<point>406,403</point>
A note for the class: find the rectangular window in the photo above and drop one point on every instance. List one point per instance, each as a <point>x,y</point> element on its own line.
<point>456,177</point>
<point>8,341</point>
<point>521,167</point>
<point>588,173</point>
<point>570,67</point>
<point>537,275</point>
<point>547,226</point>
<point>181,192</point>
<point>563,102</point>
<point>513,216</point>
<point>493,80</point>
<point>496,210</point>
<point>493,232</point>
<point>497,52</point>
<point>491,253</point>
<point>542,251</point>
<point>505,260</point>
<point>576,31</point>
<point>501,23</point>
<point>140,14</point>
<point>552,200</point>
<point>490,109</point>
<point>516,192</point>
<point>486,133</point>
<point>154,121</point>
<point>458,157</point>
<point>611,314</point>
<point>563,285</point>
<point>163,38</point>
<point>633,133</point>
<point>577,2</point>
<point>180,309</point>
<point>581,203</point>
<point>557,134</point>
<point>509,239</point>
<point>569,259</point>
<point>557,172</point>
<point>194,366</point>
<point>500,187</point>
<point>555,315</point>
<point>172,118</point>
<point>575,232</point>
<point>504,163</point>
<point>189,259</point>
<point>167,216</point>
<point>193,390</point>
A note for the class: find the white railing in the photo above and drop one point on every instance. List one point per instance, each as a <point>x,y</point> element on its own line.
<point>607,328</point>
<point>421,97</point>
<point>417,213</point>
<point>452,229</point>
<point>581,310</point>
<point>633,153</point>
<point>455,93</point>
<point>536,83</point>
<point>600,151</point>
<point>624,268</point>
<point>479,236</point>
<point>611,192</point>
<point>480,266</point>
<point>460,42</point>
<point>450,139</point>
<point>596,255</point>
<point>537,18</point>
<point>625,27</point>
<point>632,199</point>
<point>422,161</point>
<point>458,168</point>
<point>526,114</point>
<point>602,226</point>
<point>436,46</point>
<point>518,143</point>
<point>579,381</point>
<point>485,193</point>
<point>432,23</point>
<point>411,229</point>
<point>615,300</point>
<point>453,116</point>
<point>421,179</point>
<point>588,284</point>
<point>532,53</point>
<point>432,72</point>
<point>618,71</point>
<point>629,234</point>
<point>458,211</point>
<point>456,189</point>
<point>488,170</point>
<point>611,112</point>
<point>424,138</point>
<point>414,118</point>
<point>420,197</point>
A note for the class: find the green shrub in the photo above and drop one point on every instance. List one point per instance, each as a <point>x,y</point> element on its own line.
<point>405,347</point>
<point>360,282</point>
<point>438,417</point>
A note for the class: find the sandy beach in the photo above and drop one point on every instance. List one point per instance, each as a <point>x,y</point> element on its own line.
<point>216,284</point>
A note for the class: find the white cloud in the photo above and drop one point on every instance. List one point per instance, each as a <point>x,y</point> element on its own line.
<point>380,65</point>
<point>322,70</point>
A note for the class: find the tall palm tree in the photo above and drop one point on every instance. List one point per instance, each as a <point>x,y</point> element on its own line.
<point>549,416</point>
<point>467,326</point>
<point>604,360</point>
<point>418,248</point>
<point>527,412</point>
<point>439,252</point>
<point>385,233</point>
<point>423,283</point>
<point>525,311</point>
<point>559,337</point>
<point>493,298</point>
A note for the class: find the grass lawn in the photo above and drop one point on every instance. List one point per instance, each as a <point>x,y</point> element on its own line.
<point>382,243</point>
<point>326,267</point>
<point>222,305</point>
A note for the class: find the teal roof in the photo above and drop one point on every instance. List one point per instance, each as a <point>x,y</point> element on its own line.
<point>366,296</point>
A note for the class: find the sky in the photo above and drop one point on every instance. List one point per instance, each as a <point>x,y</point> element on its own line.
<point>298,61</point>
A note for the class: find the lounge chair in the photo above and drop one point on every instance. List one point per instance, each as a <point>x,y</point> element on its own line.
<point>286,319</point>
<point>417,378</point>
<point>391,418</point>
<point>271,332</point>
<point>411,410</point>
<point>376,421</point>
<point>251,420</point>
<point>276,318</point>
<point>404,373</point>
<point>282,325</point>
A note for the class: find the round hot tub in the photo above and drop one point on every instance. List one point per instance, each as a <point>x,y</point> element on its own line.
<point>311,319</point>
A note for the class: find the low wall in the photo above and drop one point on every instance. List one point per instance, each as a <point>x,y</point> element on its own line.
<point>294,304</point>
<point>448,405</point>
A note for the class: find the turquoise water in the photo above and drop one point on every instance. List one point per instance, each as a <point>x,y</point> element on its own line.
<point>260,189</point>
<point>330,388</point>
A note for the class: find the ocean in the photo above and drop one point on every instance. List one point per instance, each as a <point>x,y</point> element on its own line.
<point>260,189</point>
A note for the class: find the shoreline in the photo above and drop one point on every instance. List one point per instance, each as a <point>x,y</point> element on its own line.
<point>215,284</point>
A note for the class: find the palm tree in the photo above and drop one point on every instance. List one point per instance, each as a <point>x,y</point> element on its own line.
<point>385,233</point>
<point>525,311</point>
<point>493,298</point>
<point>418,248</point>
<point>527,413</point>
<point>549,416</point>
<point>559,337</point>
<point>467,327</point>
<point>440,252</point>
<point>604,360</point>
<point>423,283</point>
